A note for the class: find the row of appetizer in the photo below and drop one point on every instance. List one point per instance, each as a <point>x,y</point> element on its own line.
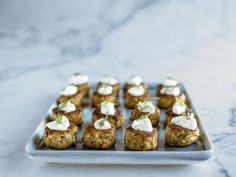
<point>181,125</point>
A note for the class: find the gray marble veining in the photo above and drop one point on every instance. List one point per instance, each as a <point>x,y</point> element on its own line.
<point>43,42</point>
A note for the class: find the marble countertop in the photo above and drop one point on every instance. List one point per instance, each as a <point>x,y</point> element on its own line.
<point>42,43</point>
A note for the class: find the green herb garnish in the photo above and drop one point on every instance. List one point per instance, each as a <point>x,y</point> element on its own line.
<point>59,119</point>
<point>102,122</point>
<point>143,116</point>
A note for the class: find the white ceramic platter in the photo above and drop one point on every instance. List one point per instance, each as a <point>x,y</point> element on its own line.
<point>198,152</point>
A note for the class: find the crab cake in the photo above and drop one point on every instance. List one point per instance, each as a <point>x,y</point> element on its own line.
<point>81,82</point>
<point>60,134</point>
<point>99,135</point>
<point>182,131</point>
<point>111,81</point>
<point>141,136</point>
<point>134,95</point>
<point>71,93</point>
<point>168,92</point>
<point>178,109</point>
<point>114,115</point>
<point>68,109</point>
<point>134,81</point>
<point>103,93</point>
<point>146,108</point>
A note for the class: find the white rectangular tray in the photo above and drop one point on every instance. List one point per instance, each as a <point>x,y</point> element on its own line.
<point>200,151</point>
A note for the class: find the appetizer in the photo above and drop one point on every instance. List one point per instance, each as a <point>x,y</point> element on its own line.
<point>99,135</point>
<point>182,131</point>
<point>114,115</point>
<point>60,133</point>
<point>146,108</point>
<point>134,81</point>
<point>68,109</point>
<point>134,95</point>
<point>71,93</point>
<point>103,93</point>
<point>111,81</point>
<point>141,135</point>
<point>81,82</point>
<point>167,92</point>
<point>178,109</point>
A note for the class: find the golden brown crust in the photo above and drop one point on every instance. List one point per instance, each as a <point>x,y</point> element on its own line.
<point>74,116</point>
<point>140,140</point>
<point>98,139</point>
<point>127,86</point>
<point>55,139</point>
<point>115,88</point>
<point>77,99</point>
<point>98,98</point>
<point>179,136</point>
<point>132,101</point>
<point>167,101</point>
<point>154,117</point>
<point>117,120</point>
<point>84,89</point>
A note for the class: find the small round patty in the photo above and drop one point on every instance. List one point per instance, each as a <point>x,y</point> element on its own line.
<point>55,139</point>
<point>179,137</point>
<point>131,101</point>
<point>76,99</point>
<point>98,139</point>
<point>97,98</point>
<point>140,140</point>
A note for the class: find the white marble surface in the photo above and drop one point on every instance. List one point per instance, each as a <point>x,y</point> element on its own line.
<point>42,43</point>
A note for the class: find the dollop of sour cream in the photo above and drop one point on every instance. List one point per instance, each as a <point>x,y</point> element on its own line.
<point>105,90</point>
<point>107,108</point>
<point>136,91</point>
<point>178,108</point>
<point>135,80</point>
<point>69,90</point>
<point>143,124</point>
<point>175,91</point>
<point>170,82</point>
<point>109,80</point>
<point>188,122</point>
<point>102,124</point>
<point>61,126</point>
<point>67,107</point>
<point>146,107</point>
<point>78,79</point>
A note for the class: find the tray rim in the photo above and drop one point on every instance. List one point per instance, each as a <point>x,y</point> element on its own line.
<point>163,157</point>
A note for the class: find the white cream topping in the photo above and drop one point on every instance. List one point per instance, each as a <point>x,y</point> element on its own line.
<point>109,80</point>
<point>135,80</point>
<point>107,108</point>
<point>67,107</point>
<point>143,124</point>
<point>69,90</point>
<point>102,124</point>
<point>146,106</point>
<point>188,122</point>
<point>61,125</point>
<point>175,91</point>
<point>178,108</point>
<point>170,82</point>
<point>105,90</point>
<point>78,79</point>
<point>136,91</point>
